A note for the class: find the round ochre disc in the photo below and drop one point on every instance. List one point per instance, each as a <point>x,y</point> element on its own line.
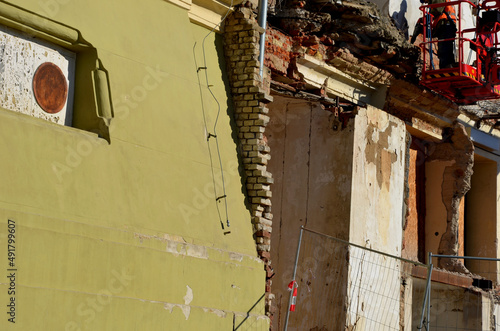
<point>50,87</point>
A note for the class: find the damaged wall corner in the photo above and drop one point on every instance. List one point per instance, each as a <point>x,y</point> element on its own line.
<point>250,97</point>
<point>458,151</point>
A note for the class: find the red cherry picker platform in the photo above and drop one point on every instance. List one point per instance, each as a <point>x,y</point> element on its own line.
<point>476,73</point>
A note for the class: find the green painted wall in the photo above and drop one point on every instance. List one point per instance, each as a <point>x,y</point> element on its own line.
<point>125,235</point>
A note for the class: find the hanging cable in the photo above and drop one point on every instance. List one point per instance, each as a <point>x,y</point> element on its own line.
<point>210,135</point>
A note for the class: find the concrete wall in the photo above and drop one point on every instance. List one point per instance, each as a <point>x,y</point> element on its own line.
<point>454,308</point>
<point>377,215</point>
<point>378,181</point>
<point>124,233</point>
<point>312,167</point>
<point>481,223</point>
<point>435,219</point>
<point>347,183</point>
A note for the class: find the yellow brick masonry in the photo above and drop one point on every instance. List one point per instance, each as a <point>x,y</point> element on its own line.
<point>241,46</point>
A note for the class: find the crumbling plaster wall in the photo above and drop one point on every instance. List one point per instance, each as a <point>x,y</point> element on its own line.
<point>448,164</point>
<point>377,212</point>
<point>376,207</point>
<point>378,181</point>
<point>347,183</point>
<point>456,155</point>
<point>312,168</point>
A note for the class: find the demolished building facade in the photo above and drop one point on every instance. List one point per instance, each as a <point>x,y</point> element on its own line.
<point>357,150</point>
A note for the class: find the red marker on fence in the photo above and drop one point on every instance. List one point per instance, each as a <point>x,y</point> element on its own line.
<point>293,287</point>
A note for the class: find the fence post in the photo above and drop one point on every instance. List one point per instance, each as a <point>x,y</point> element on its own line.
<point>429,283</point>
<point>427,297</point>
<point>293,277</point>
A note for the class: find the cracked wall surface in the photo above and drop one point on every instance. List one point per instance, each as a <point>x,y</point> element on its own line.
<point>311,165</point>
<point>458,150</point>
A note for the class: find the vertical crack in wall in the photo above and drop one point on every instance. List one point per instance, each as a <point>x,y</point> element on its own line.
<point>309,163</point>
<point>457,147</point>
<point>241,47</point>
<point>282,299</point>
<point>406,192</point>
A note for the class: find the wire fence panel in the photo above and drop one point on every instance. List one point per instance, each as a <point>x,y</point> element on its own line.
<point>377,287</point>
<point>465,302</point>
<point>455,308</point>
<point>342,286</point>
<point>322,284</point>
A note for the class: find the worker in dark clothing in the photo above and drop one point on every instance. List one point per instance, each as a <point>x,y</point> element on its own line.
<point>419,29</point>
<point>443,26</point>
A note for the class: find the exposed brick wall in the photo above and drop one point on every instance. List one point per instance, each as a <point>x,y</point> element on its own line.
<point>282,50</point>
<point>241,46</point>
<point>278,51</point>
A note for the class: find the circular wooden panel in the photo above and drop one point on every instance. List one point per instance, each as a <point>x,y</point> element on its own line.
<point>50,87</point>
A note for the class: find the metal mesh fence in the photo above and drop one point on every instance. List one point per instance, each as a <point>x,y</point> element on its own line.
<point>455,308</point>
<point>465,302</point>
<point>342,286</point>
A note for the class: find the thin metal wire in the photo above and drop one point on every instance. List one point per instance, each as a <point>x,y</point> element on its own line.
<point>208,143</point>
<point>214,135</point>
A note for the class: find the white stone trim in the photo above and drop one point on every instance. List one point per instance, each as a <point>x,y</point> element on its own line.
<point>181,3</point>
<point>207,13</point>
<point>339,83</point>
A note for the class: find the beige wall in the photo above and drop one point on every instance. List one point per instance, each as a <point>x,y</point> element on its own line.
<point>311,164</point>
<point>435,217</point>
<point>377,212</point>
<point>378,181</point>
<point>481,216</point>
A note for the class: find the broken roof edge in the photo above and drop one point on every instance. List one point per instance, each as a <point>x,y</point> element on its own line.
<point>309,62</point>
<point>419,97</point>
<point>355,25</point>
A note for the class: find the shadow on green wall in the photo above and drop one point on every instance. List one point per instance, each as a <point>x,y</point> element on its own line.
<point>85,112</point>
<point>219,45</point>
<point>245,322</point>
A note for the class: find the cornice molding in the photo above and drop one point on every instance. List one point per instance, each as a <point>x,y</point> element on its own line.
<point>207,13</point>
